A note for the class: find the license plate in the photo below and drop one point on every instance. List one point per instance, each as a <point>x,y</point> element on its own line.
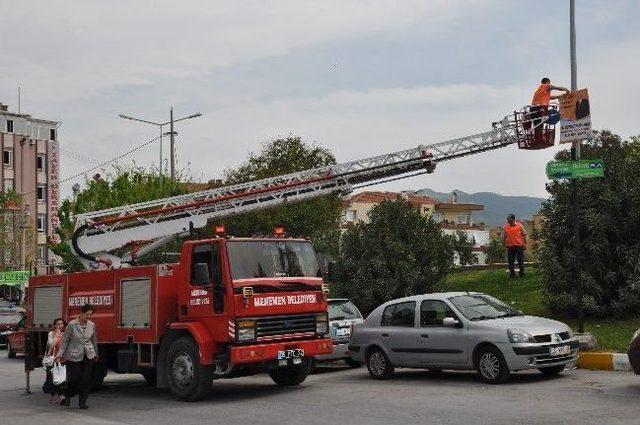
<point>343,332</point>
<point>562,350</point>
<point>290,354</point>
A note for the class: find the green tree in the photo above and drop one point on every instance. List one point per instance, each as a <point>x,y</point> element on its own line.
<point>496,252</point>
<point>123,186</point>
<point>10,217</point>
<point>610,225</point>
<point>463,245</point>
<point>398,253</point>
<point>317,218</point>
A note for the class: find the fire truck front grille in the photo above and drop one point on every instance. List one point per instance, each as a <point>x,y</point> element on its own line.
<point>285,327</point>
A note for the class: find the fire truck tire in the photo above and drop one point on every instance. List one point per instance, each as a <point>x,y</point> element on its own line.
<point>10,353</point>
<point>98,373</point>
<point>188,379</point>
<point>291,375</point>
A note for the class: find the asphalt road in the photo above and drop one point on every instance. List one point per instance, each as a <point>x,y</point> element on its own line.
<point>338,395</point>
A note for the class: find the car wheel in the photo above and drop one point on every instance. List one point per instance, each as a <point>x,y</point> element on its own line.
<point>491,366</point>
<point>379,365</point>
<point>10,353</point>
<point>551,371</point>
<point>352,363</point>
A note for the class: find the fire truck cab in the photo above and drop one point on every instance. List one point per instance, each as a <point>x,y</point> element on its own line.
<point>230,307</point>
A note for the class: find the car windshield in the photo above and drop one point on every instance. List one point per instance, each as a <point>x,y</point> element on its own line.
<point>252,259</point>
<point>482,307</point>
<point>342,310</point>
<point>10,319</point>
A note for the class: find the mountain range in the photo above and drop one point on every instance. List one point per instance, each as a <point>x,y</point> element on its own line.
<point>496,206</point>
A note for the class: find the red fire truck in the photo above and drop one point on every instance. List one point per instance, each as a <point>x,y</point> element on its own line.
<point>230,306</point>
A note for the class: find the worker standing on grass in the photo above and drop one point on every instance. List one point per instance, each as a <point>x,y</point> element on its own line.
<point>514,239</point>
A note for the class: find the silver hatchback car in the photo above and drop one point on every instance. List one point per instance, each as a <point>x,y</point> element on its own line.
<point>461,330</point>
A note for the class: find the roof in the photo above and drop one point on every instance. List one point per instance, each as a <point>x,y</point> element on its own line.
<point>459,207</point>
<point>375,197</point>
<point>435,295</point>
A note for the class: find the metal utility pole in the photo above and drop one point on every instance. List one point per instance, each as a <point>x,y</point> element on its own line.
<point>575,156</point>
<point>160,125</point>
<point>171,138</point>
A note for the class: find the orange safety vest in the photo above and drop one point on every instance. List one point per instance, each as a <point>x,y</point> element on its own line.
<point>513,234</point>
<point>542,95</point>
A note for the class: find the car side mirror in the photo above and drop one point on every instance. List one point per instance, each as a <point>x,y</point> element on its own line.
<point>450,322</point>
<point>201,274</point>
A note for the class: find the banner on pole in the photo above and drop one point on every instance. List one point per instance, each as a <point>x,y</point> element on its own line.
<point>575,116</point>
<point>14,278</point>
<point>583,169</point>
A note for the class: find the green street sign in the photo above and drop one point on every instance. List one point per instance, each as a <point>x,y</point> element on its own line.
<point>583,169</point>
<point>14,278</point>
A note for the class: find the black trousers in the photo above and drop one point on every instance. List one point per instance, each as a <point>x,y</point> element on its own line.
<point>514,252</point>
<point>79,379</point>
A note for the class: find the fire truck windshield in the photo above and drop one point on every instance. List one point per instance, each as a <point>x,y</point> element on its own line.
<point>254,259</point>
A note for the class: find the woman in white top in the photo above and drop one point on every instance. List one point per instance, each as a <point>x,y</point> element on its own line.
<point>54,340</point>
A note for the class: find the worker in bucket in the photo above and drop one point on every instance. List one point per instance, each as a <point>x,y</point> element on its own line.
<point>540,103</point>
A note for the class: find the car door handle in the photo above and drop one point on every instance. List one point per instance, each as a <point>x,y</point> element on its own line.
<point>385,335</point>
<point>424,336</point>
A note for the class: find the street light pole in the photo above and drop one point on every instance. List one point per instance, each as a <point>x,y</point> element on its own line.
<point>171,133</point>
<point>575,156</point>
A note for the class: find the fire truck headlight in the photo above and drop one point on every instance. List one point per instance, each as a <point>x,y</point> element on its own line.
<point>322,324</point>
<point>246,331</point>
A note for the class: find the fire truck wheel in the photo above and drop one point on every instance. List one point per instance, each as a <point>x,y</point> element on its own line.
<point>188,379</point>
<point>98,373</point>
<point>291,375</point>
<point>10,353</point>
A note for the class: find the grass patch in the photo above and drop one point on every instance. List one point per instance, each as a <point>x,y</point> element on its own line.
<point>526,294</point>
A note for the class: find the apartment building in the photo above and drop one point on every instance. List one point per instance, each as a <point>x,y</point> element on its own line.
<point>452,216</point>
<point>30,162</point>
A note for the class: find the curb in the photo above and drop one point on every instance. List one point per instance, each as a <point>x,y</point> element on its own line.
<point>604,361</point>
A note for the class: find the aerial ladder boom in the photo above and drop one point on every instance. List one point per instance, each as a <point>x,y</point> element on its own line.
<point>98,232</point>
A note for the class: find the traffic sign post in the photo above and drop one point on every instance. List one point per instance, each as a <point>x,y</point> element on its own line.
<point>581,169</point>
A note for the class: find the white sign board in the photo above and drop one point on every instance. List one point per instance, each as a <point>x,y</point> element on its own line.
<point>575,116</point>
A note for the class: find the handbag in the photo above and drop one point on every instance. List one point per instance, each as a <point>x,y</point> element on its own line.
<point>59,372</point>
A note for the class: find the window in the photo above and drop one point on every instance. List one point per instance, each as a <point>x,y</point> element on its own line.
<point>42,254</point>
<point>7,157</point>
<point>52,134</point>
<point>205,265</point>
<point>482,307</point>
<point>42,193</point>
<point>464,218</point>
<point>9,126</point>
<point>343,310</point>
<point>8,185</point>
<point>438,217</point>
<point>350,216</point>
<point>41,162</point>
<point>401,314</point>
<point>41,222</point>
<point>252,259</point>
<point>432,312</point>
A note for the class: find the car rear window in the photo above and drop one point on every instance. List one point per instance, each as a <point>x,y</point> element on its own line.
<point>401,314</point>
<point>343,310</point>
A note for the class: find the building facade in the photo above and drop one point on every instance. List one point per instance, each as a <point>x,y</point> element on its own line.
<point>452,216</point>
<point>30,161</point>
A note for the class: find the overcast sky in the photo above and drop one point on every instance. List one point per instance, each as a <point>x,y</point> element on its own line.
<point>358,77</point>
